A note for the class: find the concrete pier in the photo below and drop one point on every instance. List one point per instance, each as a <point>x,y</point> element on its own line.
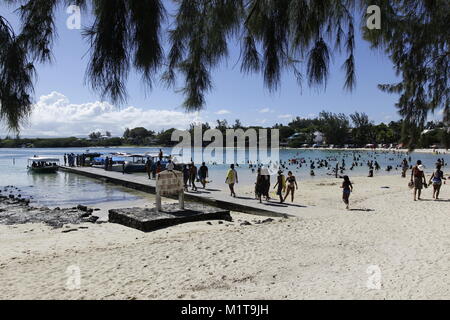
<point>213,198</point>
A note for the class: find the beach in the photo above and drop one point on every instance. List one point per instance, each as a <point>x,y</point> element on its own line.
<point>386,247</point>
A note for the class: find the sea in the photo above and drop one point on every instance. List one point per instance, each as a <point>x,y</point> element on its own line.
<point>65,189</point>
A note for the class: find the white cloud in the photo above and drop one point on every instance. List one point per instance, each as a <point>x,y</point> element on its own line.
<point>54,116</point>
<point>265,110</point>
<point>262,121</point>
<point>222,112</point>
<point>285,116</point>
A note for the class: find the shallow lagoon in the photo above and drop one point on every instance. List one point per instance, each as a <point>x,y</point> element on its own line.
<point>65,189</point>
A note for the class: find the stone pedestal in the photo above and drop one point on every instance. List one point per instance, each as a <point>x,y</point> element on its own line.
<point>147,220</point>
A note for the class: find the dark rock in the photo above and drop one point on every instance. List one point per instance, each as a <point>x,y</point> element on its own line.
<point>18,211</point>
<point>268,220</point>
<point>91,219</point>
<point>82,208</point>
<point>246,223</point>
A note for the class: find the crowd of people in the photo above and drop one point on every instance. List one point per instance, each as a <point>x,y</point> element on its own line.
<point>286,185</point>
<point>75,160</point>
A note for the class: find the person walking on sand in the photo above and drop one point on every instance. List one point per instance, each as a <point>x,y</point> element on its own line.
<point>281,181</point>
<point>418,179</point>
<point>259,186</point>
<point>347,189</point>
<point>436,180</point>
<point>203,174</point>
<point>232,179</point>
<point>193,175</point>
<point>291,186</point>
<point>265,183</point>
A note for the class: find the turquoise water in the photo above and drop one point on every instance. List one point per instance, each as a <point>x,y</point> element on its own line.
<point>65,189</point>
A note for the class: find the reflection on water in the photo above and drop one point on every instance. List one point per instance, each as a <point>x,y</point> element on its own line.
<point>64,189</point>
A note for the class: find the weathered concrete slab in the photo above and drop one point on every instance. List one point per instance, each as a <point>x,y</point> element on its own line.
<point>148,220</point>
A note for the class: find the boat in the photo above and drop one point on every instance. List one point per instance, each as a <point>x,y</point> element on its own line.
<point>135,163</point>
<point>43,164</point>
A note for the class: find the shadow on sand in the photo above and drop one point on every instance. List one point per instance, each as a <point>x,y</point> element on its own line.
<point>363,210</point>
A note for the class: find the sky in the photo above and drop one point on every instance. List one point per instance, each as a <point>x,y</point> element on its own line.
<point>66,106</point>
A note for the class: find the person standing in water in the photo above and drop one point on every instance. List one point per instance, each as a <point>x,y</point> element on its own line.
<point>232,179</point>
<point>405,167</point>
<point>418,179</point>
<point>436,180</point>
<point>291,186</point>
<point>347,189</point>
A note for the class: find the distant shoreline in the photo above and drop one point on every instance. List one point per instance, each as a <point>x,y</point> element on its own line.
<point>430,151</point>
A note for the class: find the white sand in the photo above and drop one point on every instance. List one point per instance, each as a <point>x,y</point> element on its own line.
<point>323,253</point>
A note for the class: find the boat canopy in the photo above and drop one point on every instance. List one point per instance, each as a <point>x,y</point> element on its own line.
<point>114,159</point>
<point>43,159</point>
<point>137,155</point>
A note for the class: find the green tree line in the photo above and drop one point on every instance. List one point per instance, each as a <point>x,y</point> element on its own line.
<point>337,129</point>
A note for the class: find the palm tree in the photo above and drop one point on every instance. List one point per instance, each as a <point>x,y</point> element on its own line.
<point>298,36</point>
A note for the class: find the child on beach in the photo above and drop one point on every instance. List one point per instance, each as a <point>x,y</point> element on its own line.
<point>347,190</point>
